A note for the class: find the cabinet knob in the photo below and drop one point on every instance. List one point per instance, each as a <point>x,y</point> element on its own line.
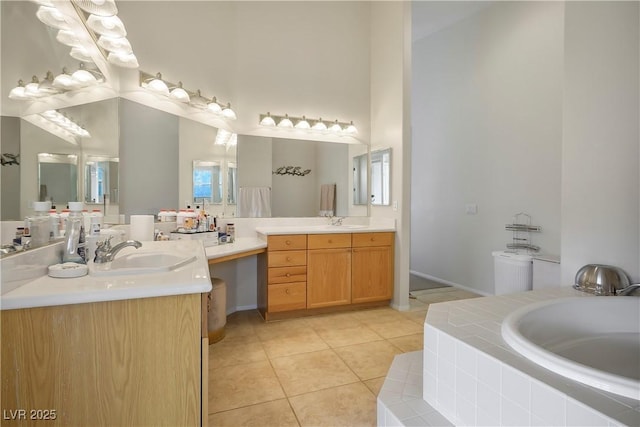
<point>286,291</point>
<point>373,239</point>
<point>288,274</point>
<point>330,241</point>
<point>289,259</point>
<point>288,242</point>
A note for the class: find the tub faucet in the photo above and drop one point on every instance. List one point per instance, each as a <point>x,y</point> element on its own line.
<point>628,290</point>
<point>105,253</point>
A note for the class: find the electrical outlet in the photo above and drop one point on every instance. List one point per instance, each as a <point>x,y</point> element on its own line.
<point>471,209</point>
<point>395,205</point>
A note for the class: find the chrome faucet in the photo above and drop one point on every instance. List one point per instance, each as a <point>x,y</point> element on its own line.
<point>335,220</point>
<point>105,253</point>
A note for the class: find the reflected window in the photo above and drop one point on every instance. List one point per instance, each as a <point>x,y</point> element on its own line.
<point>232,183</point>
<point>207,182</point>
<point>101,180</point>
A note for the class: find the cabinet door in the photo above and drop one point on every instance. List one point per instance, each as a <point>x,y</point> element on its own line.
<point>372,274</point>
<point>328,277</point>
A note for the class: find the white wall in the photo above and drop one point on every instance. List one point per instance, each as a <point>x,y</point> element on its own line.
<point>10,176</point>
<point>600,165</point>
<point>487,130</point>
<point>148,159</point>
<point>390,123</point>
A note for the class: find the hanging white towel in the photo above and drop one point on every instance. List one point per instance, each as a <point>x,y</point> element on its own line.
<point>254,202</point>
<point>327,199</point>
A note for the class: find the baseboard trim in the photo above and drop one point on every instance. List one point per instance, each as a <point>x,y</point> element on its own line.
<point>447,282</point>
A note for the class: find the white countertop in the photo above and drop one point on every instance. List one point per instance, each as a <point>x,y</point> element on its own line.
<point>242,244</point>
<point>188,279</point>
<point>324,229</point>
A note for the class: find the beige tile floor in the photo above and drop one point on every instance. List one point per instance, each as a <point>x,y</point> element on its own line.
<point>316,371</point>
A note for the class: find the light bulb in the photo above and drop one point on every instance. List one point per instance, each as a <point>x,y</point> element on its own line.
<point>285,122</point>
<point>335,127</point>
<point>229,113</point>
<point>319,125</point>
<point>199,101</point>
<point>179,94</point>
<point>81,54</point>
<point>268,120</point>
<point>63,81</point>
<point>125,60</point>
<point>110,26</point>
<point>67,37</point>
<point>84,77</point>
<point>214,107</point>
<point>52,17</point>
<point>351,129</point>
<point>18,92</point>
<point>98,7</point>
<point>303,124</point>
<point>115,44</point>
<point>32,89</point>
<point>157,85</point>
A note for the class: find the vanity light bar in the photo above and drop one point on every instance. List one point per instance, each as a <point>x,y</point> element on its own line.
<point>64,82</point>
<point>308,125</point>
<point>176,92</point>
<point>62,121</point>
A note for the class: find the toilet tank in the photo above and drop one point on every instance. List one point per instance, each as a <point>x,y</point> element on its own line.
<point>546,272</point>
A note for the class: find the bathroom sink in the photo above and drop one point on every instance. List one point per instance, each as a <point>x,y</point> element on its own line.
<point>142,263</point>
<point>346,227</point>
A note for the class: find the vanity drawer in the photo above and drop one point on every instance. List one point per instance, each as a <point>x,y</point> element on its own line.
<point>372,239</point>
<point>287,242</point>
<point>287,258</point>
<point>329,241</point>
<point>287,274</point>
<point>287,296</point>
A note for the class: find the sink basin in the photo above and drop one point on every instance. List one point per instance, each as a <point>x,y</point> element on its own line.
<point>346,227</point>
<point>141,263</point>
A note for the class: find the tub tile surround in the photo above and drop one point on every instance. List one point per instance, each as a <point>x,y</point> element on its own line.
<point>472,377</point>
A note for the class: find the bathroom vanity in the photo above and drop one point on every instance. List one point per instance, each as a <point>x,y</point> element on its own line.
<point>111,349</point>
<point>309,270</point>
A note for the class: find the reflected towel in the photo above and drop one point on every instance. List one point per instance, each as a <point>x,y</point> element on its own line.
<point>327,199</point>
<point>254,202</point>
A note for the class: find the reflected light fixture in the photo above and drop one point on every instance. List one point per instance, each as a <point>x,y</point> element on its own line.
<point>60,120</point>
<point>67,37</point>
<point>98,7</point>
<point>52,17</point>
<point>126,60</point>
<point>18,92</point>
<point>84,77</point>
<point>115,44</point>
<point>81,54</point>
<point>179,94</point>
<point>224,137</point>
<point>110,26</point>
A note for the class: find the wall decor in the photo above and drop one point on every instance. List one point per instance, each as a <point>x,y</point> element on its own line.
<point>8,159</point>
<point>291,170</point>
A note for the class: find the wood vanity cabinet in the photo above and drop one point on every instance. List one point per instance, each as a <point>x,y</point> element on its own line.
<point>328,270</point>
<point>372,260</point>
<point>129,362</point>
<point>286,273</point>
<point>305,274</point>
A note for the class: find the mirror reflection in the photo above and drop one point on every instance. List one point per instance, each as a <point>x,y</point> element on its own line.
<point>360,174</point>
<point>380,177</point>
<point>57,178</point>
<point>101,180</point>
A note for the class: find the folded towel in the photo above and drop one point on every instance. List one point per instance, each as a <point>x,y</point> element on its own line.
<point>254,202</point>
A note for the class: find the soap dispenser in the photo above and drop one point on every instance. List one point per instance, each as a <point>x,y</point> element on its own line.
<point>74,250</point>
